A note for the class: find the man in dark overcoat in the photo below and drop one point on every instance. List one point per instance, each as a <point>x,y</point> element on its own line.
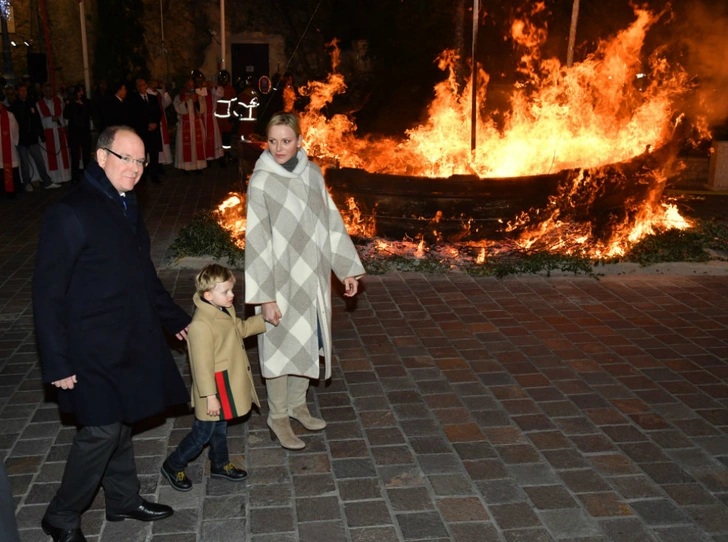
<point>145,117</point>
<point>114,109</point>
<point>99,311</point>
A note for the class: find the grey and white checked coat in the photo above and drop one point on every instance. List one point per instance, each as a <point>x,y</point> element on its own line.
<point>294,238</point>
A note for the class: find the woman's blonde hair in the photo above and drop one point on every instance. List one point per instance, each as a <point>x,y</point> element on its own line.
<point>210,276</point>
<point>285,119</point>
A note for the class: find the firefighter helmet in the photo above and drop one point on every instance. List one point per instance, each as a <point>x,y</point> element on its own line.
<point>223,77</point>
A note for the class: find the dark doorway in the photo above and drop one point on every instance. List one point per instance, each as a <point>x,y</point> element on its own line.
<point>249,59</point>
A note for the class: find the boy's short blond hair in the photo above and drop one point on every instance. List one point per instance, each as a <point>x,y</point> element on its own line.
<point>210,276</point>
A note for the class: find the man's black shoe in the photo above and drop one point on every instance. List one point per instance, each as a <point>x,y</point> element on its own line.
<point>177,479</point>
<point>62,535</point>
<point>146,511</point>
<point>229,472</point>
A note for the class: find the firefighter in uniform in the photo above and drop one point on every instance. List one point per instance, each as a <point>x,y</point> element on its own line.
<point>224,112</point>
<point>247,108</point>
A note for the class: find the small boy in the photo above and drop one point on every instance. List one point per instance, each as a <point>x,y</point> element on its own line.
<point>222,382</point>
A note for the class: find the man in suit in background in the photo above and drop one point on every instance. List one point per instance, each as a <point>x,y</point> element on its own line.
<point>99,310</point>
<point>145,117</point>
<point>114,108</point>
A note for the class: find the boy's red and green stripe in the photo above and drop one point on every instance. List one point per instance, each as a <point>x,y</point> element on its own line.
<point>225,396</point>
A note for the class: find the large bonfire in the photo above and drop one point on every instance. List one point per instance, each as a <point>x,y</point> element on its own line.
<point>590,118</point>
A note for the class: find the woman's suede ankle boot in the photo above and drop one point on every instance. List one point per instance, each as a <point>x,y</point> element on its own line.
<point>281,430</point>
<point>303,416</point>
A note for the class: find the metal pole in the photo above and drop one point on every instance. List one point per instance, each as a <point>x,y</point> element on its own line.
<point>572,33</point>
<point>84,46</point>
<point>222,34</point>
<point>474,77</point>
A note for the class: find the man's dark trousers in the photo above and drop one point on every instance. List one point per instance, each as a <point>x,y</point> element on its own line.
<point>99,455</point>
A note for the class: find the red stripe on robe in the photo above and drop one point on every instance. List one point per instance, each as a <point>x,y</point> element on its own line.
<point>50,139</point>
<point>209,127</point>
<point>7,150</point>
<point>165,128</point>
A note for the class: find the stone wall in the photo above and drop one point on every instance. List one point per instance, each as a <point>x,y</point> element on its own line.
<point>191,37</point>
<point>64,22</point>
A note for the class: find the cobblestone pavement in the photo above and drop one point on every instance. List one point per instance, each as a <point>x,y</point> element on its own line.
<point>461,409</point>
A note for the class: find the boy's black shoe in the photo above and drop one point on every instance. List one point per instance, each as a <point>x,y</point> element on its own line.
<point>229,472</point>
<point>177,479</point>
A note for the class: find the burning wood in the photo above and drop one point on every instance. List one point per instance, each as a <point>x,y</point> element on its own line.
<point>577,165</point>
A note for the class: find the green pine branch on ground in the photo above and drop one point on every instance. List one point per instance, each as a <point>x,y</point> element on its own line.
<point>707,240</point>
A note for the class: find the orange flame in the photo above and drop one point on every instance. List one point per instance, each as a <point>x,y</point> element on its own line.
<point>231,216</point>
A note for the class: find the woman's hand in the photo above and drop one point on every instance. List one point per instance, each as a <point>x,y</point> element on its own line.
<point>271,313</point>
<point>351,286</point>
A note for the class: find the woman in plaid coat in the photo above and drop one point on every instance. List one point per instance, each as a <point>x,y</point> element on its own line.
<point>295,238</point>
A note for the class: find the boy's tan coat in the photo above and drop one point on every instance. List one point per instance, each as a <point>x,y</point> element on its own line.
<point>215,343</point>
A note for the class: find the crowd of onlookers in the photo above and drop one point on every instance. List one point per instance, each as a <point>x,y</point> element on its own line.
<point>46,133</point>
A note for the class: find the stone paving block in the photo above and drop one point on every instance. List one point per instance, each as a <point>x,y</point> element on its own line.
<point>625,530</point>
<point>667,473</point>
<point>176,537</point>
<point>183,521</point>
<point>549,440</point>
<point>317,509</point>
<point>374,534</point>
<point>215,508</point>
<point>682,533</point>
<point>712,518</point>
<point>514,516</point>
<point>367,513</point>
<point>341,449</point>
<point>431,445</point>
<point>485,469</point>
<point>418,525</point>
<point>392,455</point>
<point>128,531</point>
<point>550,497</point>
<point>353,468</point>
<point>271,520</point>
<point>573,524</point>
<point>501,491</point>
<point>266,495</point>
<point>451,484</point>
<point>223,531</point>
<point>533,474</point>
<point>473,532</point>
<point>518,453</point>
<point>613,465</point>
<point>583,480</point>
<point>565,459</point>
<point>359,489</point>
<point>474,450</point>
<point>385,436</point>
<point>331,531</point>
<point>455,509</point>
<point>410,499</point>
<point>401,476</point>
<point>527,535</point>
<point>605,504</point>
<point>505,435</point>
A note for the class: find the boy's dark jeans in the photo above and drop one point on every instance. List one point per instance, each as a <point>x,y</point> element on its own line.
<point>202,432</point>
